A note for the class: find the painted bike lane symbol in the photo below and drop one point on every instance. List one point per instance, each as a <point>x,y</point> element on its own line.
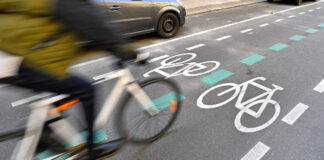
<point>187,68</point>
<point>245,107</point>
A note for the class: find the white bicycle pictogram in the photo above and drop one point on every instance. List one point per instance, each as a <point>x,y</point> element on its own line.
<point>245,107</point>
<point>189,69</point>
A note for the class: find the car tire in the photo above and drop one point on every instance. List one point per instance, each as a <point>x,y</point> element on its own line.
<point>270,0</point>
<point>168,25</point>
<point>298,2</point>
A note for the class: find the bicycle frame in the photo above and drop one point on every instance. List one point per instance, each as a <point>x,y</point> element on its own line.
<point>40,114</point>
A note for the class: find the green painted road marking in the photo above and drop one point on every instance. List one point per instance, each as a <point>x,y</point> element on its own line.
<point>252,59</point>
<point>216,77</point>
<point>321,25</point>
<point>99,136</point>
<point>297,38</point>
<point>278,47</point>
<point>311,30</point>
<point>163,102</point>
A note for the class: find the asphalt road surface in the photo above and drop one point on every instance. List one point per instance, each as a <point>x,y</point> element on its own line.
<point>272,51</point>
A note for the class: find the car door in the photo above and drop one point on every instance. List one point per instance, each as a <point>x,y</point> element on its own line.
<point>135,16</point>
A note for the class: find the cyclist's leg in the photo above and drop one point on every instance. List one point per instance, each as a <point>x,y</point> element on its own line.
<point>75,86</point>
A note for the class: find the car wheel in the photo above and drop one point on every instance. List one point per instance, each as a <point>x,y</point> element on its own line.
<point>298,2</point>
<point>270,0</point>
<point>168,25</point>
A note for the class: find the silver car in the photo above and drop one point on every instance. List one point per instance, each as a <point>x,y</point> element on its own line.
<point>145,16</point>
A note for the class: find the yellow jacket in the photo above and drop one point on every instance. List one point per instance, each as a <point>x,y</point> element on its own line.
<point>25,24</point>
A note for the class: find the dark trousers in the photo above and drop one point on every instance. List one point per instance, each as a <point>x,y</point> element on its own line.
<point>74,86</point>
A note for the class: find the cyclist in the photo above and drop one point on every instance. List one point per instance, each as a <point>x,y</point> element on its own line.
<point>50,35</point>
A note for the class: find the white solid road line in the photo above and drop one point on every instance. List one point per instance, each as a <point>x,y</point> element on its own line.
<point>320,87</point>
<point>223,38</point>
<point>257,152</point>
<point>247,30</point>
<point>263,25</point>
<point>158,58</point>
<point>195,47</point>
<point>226,26</point>
<point>295,113</point>
<point>302,13</point>
<point>292,16</point>
<point>278,20</point>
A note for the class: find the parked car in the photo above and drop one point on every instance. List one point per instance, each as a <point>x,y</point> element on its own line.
<point>296,2</point>
<point>145,16</point>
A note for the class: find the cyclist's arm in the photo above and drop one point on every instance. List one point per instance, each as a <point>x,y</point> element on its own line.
<point>88,22</point>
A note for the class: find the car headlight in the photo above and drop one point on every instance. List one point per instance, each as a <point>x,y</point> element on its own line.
<point>180,3</point>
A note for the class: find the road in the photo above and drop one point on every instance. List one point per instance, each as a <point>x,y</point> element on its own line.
<point>280,44</point>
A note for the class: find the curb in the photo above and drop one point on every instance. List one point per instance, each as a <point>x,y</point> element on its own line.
<point>210,8</point>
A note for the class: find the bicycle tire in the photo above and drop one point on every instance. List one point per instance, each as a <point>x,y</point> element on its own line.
<point>175,59</point>
<point>119,118</point>
<point>238,124</point>
<point>187,71</point>
<point>200,99</point>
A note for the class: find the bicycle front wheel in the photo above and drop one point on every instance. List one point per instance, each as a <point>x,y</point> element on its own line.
<point>137,124</point>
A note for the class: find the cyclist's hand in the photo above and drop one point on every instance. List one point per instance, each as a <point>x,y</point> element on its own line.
<point>129,55</point>
<point>142,58</point>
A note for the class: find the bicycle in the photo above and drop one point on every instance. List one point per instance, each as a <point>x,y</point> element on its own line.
<point>189,69</point>
<point>245,107</point>
<point>165,105</point>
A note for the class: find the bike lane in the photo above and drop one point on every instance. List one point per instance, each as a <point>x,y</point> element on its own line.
<point>210,133</point>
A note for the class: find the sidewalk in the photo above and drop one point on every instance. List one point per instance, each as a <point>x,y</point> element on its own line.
<point>202,6</point>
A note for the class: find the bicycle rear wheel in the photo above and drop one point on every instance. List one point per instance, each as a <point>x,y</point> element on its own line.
<point>135,123</point>
<point>12,134</point>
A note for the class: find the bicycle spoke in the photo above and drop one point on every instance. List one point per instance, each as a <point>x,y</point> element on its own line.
<point>138,124</point>
<point>132,121</point>
<point>164,121</point>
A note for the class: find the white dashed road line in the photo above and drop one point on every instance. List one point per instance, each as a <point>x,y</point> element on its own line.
<point>278,20</point>
<point>311,10</point>
<point>301,13</point>
<point>103,75</point>
<point>292,16</point>
<point>195,47</point>
<point>2,86</point>
<point>257,152</point>
<point>222,38</point>
<point>29,99</point>
<point>319,8</point>
<point>295,113</point>
<point>246,30</point>
<point>263,25</point>
<point>158,58</point>
<point>320,87</point>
